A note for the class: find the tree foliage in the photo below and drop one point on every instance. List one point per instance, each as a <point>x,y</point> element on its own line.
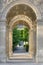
<point>20,35</point>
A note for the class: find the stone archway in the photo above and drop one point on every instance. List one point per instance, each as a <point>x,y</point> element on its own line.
<point>27,15</point>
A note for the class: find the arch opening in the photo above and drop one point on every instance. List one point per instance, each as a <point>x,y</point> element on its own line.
<point>21,15</point>
<point>20,38</point>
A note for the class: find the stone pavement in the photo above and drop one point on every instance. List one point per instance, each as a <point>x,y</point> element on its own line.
<point>20,49</point>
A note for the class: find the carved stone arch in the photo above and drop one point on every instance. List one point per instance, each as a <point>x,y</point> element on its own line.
<point>21,9</point>
<point>13,3</point>
<point>30,18</point>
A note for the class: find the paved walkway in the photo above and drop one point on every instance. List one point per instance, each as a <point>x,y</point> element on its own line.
<point>20,49</point>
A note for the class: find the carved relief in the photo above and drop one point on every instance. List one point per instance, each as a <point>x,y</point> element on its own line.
<point>21,9</point>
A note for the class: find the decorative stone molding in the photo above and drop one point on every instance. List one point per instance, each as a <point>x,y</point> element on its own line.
<point>18,18</point>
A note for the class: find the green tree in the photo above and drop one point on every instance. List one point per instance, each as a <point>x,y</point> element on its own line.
<point>16,37</point>
<point>19,35</point>
<point>25,34</point>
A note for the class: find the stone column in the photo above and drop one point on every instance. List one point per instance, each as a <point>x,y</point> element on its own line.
<point>2,41</point>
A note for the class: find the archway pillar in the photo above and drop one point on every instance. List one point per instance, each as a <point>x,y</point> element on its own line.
<point>31,42</point>
<point>10,42</point>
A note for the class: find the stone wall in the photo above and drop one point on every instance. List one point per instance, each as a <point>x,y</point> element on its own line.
<point>37,6</point>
